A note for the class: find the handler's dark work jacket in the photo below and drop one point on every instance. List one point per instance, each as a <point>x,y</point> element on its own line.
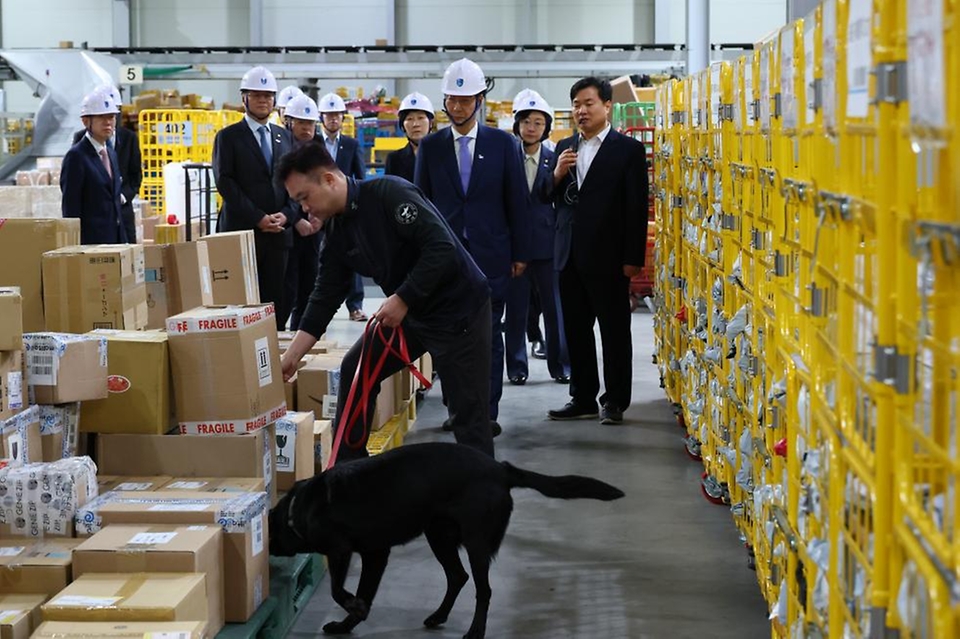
<point>391,233</point>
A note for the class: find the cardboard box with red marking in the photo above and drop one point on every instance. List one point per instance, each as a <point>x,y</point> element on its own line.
<point>226,369</point>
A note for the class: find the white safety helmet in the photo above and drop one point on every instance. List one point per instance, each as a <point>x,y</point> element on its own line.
<point>464,77</point>
<point>100,101</point>
<point>113,91</point>
<point>415,102</point>
<point>258,79</point>
<point>332,103</point>
<point>286,94</point>
<point>302,107</point>
<point>530,100</point>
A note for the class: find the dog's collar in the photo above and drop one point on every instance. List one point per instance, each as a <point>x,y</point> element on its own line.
<point>290,524</point>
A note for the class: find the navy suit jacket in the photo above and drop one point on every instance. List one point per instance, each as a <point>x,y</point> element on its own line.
<point>607,227</point>
<point>246,183</point>
<point>491,217</point>
<point>348,157</point>
<point>127,147</point>
<point>89,193</point>
<point>543,217</point>
<point>401,163</point>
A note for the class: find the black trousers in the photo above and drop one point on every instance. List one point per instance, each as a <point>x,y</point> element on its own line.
<point>586,299</point>
<point>271,270</point>
<point>461,356</point>
<point>302,265</point>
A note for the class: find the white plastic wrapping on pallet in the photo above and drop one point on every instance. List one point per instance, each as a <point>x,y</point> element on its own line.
<point>59,424</point>
<point>43,499</point>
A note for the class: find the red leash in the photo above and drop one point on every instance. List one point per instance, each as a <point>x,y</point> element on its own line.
<point>364,379</point>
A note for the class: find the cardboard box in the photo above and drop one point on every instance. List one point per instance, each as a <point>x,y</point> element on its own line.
<point>64,368</point>
<point>159,549</point>
<point>13,392</point>
<point>318,383</point>
<point>20,437</point>
<point>290,391</point>
<point>41,499</point>
<point>138,384</point>
<point>19,615</point>
<point>22,245</point>
<point>226,369</point>
<point>294,442</point>
<point>11,319</point>
<point>216,484</point>
<point>191,456</point>
<point>121,597</point>
<point>233,265</point>
<point>322,444</point>
<point>170,233</point>
<point>178,279</point>
<point>129,630</point>
<point>243,517</point>
<point>35,567</point>
<point>426,367</point>
<point>59,431</point>
<point>89,287</point>
<point>131,484</point>
<point>623,90</point>
<point>149,224</point>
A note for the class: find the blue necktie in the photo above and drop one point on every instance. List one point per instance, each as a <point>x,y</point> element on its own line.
<point>466,161</point>
<point>265,147</point>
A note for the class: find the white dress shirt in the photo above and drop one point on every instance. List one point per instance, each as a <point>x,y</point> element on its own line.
<point>530,165</point>
<point>472,144</point>
<point>587,151</point>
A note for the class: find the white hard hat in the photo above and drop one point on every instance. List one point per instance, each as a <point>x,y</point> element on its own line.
<point>464,77</point>
<point>416,102</point>
<point>113,91</point>
<point>98,102</point>
<point>286,94</point>
<point>530,100</point>
<point>332,103</point>
<point>258,79</point>
<point>302,107</point>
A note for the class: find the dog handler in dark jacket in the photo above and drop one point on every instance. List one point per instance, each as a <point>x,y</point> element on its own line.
<point>387,230</point>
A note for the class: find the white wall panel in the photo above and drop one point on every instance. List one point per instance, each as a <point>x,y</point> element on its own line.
<point>745,21</point>
<point>443,22</point>
<point>191,23</point>
<point>331,23</point>
<point>31,24</point>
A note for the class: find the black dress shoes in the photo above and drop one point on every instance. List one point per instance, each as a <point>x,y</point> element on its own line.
<point>562,379</point>
<point>611,415</point>
<point>518,380</point>
<point>539,350</point>
<point>573,411</point>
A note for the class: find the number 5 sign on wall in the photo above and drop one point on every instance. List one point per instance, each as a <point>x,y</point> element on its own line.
<point>131,74</point>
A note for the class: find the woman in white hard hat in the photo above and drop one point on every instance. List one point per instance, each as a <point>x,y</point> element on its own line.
<point>90,175</point>
<point>244,157</point>
<point>301,117</point>
<point>532,119</point>
<point>345,151</point>
<point>416,119</point>
<point>473,174</point>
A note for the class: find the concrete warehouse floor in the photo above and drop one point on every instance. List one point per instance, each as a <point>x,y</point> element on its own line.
<point>662,563</point>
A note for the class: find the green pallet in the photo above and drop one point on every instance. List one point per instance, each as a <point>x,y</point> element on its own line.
<point>293,580</point>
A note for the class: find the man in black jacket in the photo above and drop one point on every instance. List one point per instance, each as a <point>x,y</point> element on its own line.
<point>416,119</point>
<point>599,188</point>
<point>244,157</point>
<point>385,229</point>
<point>127,147</point>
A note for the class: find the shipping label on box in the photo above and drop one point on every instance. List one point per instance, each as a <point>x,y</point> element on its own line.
<point>64,368</point>
<point>226,369</point>
<point>138,384</point>
<point>233,267</point>
<point>36,566</point>
<point>20,437</point>
<point>318,383</point>
<point>294,453</point>
<point>90,287</point>
<point>59,430</point>
<point>19,615</point>
<point>11,319</point>
<point>12,389</point>
<point>126,630</point>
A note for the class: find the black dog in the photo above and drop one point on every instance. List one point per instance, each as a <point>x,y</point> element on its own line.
<point>453,494</point>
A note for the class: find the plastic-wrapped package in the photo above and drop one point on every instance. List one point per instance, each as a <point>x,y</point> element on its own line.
<point>779,611</point>
<point>713,354</point>
<point>913,602</point>
<point>736,271</point>
<point>803,407</point>
<point>819,552</point>
<point>717,291</point>
<point>738,322</point>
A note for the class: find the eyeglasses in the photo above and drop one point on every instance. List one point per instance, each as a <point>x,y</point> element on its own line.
<point>462,101</point>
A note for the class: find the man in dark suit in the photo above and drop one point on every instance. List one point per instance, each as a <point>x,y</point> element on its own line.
<point>600,191</point>
<point>416,119</point>
<point>472,173</point>
<point>244,157</point>
<point>346,152</point>
<point>90,175</point>
<point>127,147</point>
<point>532,120</point>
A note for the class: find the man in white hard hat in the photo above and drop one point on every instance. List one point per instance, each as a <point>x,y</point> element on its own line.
<point>90,180</point>
<point>127,147</point>
<point>346,153</point>
<point>244,157</point>
<point>416,120</point>
<point>301,117</point>
<point>283,99</point>
<point>473,174</point>
<point>600,191</point>
<point>532,119</point>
